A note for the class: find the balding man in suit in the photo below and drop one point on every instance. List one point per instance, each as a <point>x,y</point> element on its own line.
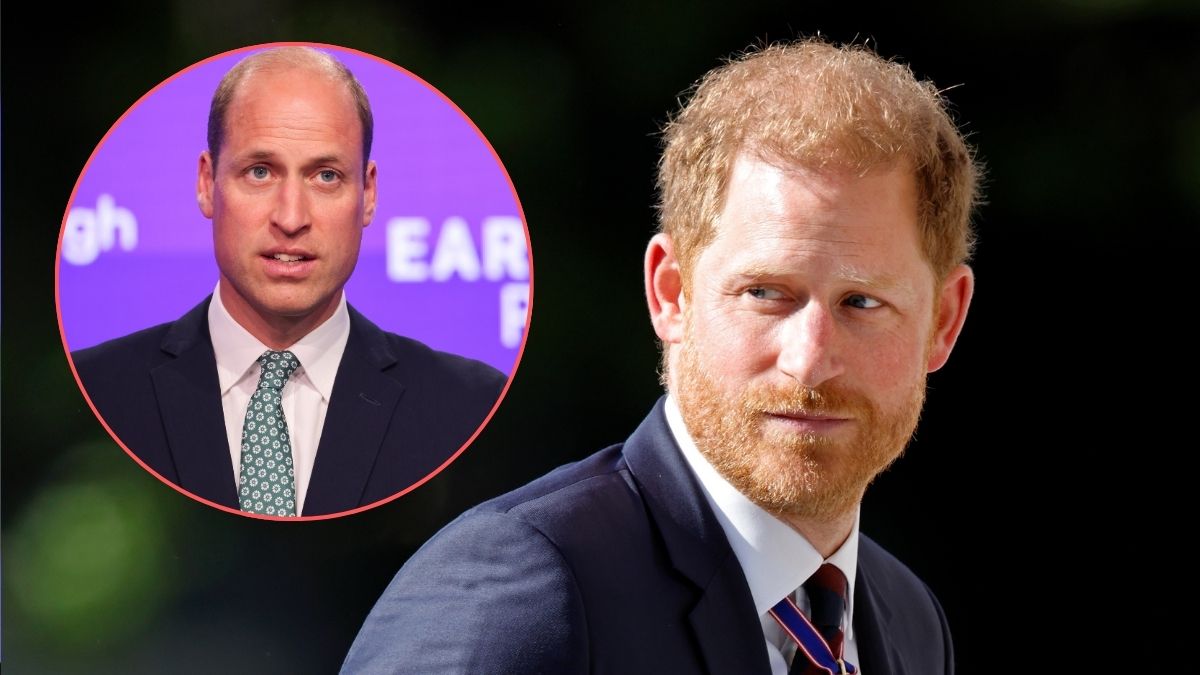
<point>273,396</point>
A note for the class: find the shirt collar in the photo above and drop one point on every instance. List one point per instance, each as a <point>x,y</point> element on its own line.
<point>237,351</point>
<point>775,558</point>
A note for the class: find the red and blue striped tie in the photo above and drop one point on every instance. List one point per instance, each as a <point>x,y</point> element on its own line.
<point>826,590</point>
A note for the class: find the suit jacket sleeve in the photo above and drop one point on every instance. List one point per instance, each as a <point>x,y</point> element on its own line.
<point>489,594</point>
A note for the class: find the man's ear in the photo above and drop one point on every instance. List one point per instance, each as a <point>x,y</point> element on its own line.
<point>954,298</point>
<point>369,193</point>
<point>204,184</point>
<point>664,289</point>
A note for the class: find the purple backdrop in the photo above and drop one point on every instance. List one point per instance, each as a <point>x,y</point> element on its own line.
<point>445,261</point>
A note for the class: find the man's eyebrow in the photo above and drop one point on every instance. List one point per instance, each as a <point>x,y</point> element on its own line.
<point>845,273</point>
<point>758,272</point>
<point>326,159</point>
<point>257,155</point>
<point>857,276</point>
<point>264,155</point>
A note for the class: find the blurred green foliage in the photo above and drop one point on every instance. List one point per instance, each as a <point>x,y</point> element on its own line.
<point>85,560</point>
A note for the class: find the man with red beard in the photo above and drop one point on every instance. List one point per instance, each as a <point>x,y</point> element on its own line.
<point>809,272</point>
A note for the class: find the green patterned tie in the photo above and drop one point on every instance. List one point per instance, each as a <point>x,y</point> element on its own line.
<point>268,484</point>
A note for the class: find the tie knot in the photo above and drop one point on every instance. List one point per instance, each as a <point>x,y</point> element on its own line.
<point>277,367</point>
<point>826,590</point>
<point>829,578</point>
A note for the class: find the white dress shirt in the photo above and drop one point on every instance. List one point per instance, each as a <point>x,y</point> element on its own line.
<point>305,396</point>
<point>776,559</point>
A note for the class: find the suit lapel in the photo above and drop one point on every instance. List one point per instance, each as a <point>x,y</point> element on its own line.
<point>872,620</point>
<point>723,620</point>
<point>356,423</point>
<point>726,625</point>
<point>189,402</point>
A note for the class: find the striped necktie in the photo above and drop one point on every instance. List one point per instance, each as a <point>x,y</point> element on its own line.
<point>826,590</point>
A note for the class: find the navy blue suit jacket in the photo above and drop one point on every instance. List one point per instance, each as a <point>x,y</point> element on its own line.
<point>398,410</point>
<point>615,564</point>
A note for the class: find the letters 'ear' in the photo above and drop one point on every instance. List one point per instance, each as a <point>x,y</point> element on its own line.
<point>664,289</point>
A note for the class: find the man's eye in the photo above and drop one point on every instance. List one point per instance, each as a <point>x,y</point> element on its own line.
<point>327,176</point>
<point>863,302</point>
<point>259,172</point>
<point>761,293</point>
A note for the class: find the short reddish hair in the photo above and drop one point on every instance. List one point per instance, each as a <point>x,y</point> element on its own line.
<point>817,105</point>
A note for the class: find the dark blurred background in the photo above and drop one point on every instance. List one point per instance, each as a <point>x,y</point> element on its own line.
<point>1087,115</point>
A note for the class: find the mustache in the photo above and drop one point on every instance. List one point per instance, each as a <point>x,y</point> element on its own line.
<point>833,400</point>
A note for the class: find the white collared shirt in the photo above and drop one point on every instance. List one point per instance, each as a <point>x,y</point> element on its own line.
<point>776,559</point>
<point>305,396</point>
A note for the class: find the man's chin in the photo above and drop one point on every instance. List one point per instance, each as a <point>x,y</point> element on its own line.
<point>811,487</point>
<point>294,308</point>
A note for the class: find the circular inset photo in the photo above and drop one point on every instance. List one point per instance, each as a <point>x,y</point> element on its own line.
<point>294,281</point>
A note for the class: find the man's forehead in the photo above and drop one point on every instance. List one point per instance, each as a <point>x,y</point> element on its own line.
<point>298,80</point>
<point>767,194</point>
<point>293,104</point>
<point>820,175</point>
<point>783,219</point>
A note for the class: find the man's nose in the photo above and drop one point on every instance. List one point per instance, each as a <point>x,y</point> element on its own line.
<point>291,213</point>
<point>810,352</point>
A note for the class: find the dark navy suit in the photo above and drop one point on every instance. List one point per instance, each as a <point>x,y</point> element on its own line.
<point>615,564</point>
<point>398,410</point>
